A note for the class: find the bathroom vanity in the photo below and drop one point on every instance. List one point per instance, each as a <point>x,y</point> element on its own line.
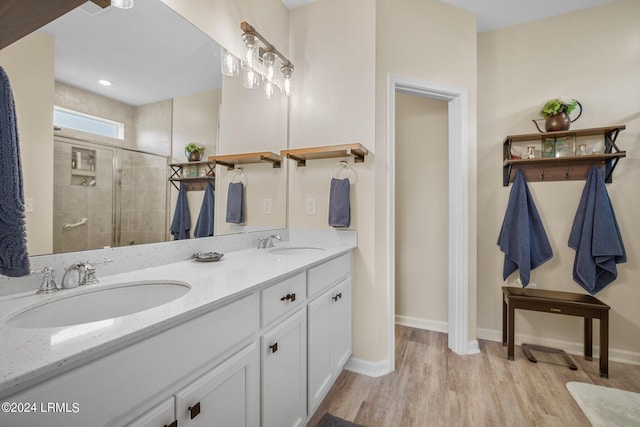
<point>258,340</point>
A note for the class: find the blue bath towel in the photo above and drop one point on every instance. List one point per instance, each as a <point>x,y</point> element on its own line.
<point>181,223</point>
<point>204,226</point>
<point>522,236</point>
<point>595,236</point>
<point>339,204</point>
<point>235,203</point>
<point>14,259</point>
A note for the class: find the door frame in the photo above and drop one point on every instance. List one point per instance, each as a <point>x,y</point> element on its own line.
<point>458,284</point>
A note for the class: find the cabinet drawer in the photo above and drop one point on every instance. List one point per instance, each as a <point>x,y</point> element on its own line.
<point>328,274</point>
<point>283,297</point>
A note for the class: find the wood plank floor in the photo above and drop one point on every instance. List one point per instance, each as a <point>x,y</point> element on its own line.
<point>432,386</point>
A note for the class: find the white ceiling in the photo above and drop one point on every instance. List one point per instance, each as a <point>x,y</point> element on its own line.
<point>149,52</point>
<point>493,14</point>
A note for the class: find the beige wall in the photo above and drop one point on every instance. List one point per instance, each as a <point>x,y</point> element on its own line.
<point>422,211</point>
<point>432,41</point>
<point>334,104</point>
<point>597,62</point>
<point>29,65</point>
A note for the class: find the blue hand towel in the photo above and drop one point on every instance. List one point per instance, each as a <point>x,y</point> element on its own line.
<point>204,226</point>
<point>181,223</point>
<point>339,205</point>
<point>595,236</point>
<point>14,259</point>
<point>522,236</point>
<point>235,203</point>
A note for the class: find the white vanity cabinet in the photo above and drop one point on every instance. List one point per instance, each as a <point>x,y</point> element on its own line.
<point>225,396</point>
<point>266,357</point>
<point>330,327</point>
<point>284,373</point>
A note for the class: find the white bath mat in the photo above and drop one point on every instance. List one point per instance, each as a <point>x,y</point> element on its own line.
<point>606,406</point>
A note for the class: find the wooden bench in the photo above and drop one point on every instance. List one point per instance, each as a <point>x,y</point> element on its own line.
<point>557,302</point>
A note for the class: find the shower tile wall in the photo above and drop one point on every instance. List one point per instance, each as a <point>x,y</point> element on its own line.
<point>144,198</point>
<point>74,202</point>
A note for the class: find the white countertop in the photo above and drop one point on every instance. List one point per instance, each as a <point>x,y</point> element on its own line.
<point>29,356</point>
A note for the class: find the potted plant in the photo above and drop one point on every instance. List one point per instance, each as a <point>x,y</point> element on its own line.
<point>556,112</point>
<point>194,152</point>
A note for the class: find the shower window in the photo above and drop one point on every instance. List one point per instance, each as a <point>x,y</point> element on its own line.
<point>65,118</point>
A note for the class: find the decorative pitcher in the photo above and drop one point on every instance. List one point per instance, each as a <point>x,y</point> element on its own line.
<point>558,122</point>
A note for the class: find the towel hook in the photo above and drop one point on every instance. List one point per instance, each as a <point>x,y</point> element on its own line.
<point>238,172</point>
<point>343,165</point>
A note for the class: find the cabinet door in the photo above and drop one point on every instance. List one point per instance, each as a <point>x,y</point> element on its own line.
<point>320,348</point>
<point>225,396</point>
<point>162,415</point>
<point>341,324</point>
<point>284,373</point>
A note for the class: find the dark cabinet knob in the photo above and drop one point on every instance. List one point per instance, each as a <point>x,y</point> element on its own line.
<point>274,347</point>
<point>194,410</point>
<point>291,297</point>
<point>173,424</point>
<point>337,297</point>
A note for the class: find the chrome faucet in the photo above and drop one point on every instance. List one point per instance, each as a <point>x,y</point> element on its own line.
<point>81,274</point>
<point>48,284</point>
<point>267,242</point>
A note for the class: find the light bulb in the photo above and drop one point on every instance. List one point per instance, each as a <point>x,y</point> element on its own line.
<point>269,58</point>
<point>251,79</point>
<point>268,90</point>
<point>228,63</point>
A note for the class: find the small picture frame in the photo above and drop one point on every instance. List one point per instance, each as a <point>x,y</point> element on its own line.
<point>549,147</point>
<point>565,146</point>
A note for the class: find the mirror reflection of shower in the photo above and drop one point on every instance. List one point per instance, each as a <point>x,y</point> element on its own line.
<point>106,196</point>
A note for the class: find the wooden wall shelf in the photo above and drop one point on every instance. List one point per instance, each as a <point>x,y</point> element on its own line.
<point>301,155</point>
<point>231,160</point>
<point>197,183</point>
<point>567,167</point>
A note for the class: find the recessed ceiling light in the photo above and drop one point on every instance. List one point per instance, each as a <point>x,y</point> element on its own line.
<point>105,82</point>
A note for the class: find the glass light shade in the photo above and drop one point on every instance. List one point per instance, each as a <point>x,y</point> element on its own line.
<point>122,4</point>
<point>250,79</point>
<point>287,71</point>
<point>250,59</point>
<point>229,64</point>
<point>269,58</point>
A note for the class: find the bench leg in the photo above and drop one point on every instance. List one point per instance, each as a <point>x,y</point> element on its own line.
<point>588,338</point>
<point>604,344</point>
<point>511,332</point>
<point>504,322</point>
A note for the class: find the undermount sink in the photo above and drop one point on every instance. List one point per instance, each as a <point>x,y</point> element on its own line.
<point>100,304</point>
<point>295,250</point>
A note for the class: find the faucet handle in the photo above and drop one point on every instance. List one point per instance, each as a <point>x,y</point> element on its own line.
<point>48,284</point>
<point>90,271</point>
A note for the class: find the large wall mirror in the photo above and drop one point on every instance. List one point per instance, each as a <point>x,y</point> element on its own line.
<point>101,178</point>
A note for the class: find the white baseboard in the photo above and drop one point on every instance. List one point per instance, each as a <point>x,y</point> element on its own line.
<point>416,322</point>
<point>370,369</point>
<point>571,347</point>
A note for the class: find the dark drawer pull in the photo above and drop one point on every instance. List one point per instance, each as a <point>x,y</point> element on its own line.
<point>173,424</point>
<point>287,297</point>
<point>194,410</point>
<point>274,347</point>
<point>337,297</point>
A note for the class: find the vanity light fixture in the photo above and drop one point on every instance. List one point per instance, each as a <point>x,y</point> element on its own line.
<point>260,58</point>
<point>122,4</point>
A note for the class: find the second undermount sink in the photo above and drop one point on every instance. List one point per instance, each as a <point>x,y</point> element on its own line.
<point>295,250</point>
<point>99,304</point>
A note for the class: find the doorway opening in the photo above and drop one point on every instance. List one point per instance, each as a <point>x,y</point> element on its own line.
<point>458,210</point>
